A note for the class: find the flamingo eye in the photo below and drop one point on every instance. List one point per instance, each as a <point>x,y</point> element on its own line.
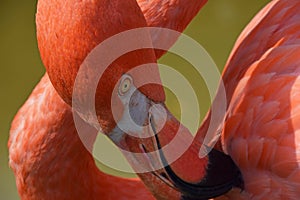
<point>124,85</point>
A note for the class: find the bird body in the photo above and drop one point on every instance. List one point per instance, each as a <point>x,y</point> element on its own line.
<point>262,120</point>
<point>261,79</point>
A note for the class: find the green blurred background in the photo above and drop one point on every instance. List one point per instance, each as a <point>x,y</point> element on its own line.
<point>216,28</point>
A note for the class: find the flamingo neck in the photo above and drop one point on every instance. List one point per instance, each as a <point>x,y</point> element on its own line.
<point>48,157</point>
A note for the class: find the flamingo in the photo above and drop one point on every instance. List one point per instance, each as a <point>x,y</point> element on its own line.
<point>260,128</point>
<point>48,166</point>
<point>62,57</point>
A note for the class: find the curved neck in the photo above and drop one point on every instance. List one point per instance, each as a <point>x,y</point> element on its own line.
<point>49,159</point>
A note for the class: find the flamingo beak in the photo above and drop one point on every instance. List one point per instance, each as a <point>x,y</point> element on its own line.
<point>157,145</point>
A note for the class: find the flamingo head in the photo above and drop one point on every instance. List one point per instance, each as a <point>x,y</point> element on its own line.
<point>127,98</point>
<point>69,31</point>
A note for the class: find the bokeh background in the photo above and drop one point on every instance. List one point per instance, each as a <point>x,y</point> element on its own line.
<point>215,28</point>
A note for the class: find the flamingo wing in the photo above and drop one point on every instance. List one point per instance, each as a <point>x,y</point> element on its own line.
<point>261,130</point>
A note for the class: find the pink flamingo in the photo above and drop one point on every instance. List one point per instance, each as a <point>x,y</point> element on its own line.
<point>48,166</point>
<point>260,129</point>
